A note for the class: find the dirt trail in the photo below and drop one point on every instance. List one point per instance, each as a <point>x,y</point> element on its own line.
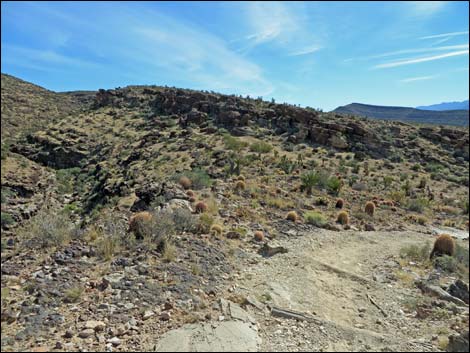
<point>344,281</point>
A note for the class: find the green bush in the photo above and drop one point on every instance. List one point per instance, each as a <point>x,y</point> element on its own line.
<point>334,185</point>
<point>418,205</point>
<point>261,147</point>
<point>309,180</point>
<point>199,178</point>
<point>233,143</point>
<point>446,263</point>
<point>6,219</point>
<point>66,179</point>
<point>286,165</point>
<point>416,253</point>
<point>5,150</point>
<point>315,218</point>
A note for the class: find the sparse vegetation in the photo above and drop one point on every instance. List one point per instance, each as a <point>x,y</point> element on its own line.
<point>261,147</point>
<point>315,218</point>
<point>418,204</point>
<point>416,253</point>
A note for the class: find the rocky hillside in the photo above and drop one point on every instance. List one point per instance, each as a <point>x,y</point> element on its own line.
<point>27,107</point>
<point>227,183</point>
<point>409,115</point>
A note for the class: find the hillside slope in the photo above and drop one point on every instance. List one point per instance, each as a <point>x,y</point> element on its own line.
<point>410,115</point>
<point>249,202</point>
<point>27,107</point>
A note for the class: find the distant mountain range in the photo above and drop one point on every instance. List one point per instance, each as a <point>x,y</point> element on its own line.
<point>411,115</point>
<point>446,106</point>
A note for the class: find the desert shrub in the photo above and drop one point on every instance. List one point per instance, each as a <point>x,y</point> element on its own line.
<point>185,182</point>
<point>397,196</point>
<point>6,219</point>
<point>190,193</point>
<point>309,180</point>
<point>240,185</point>
<point>107,246</point>
<point>418,204</point>
<point>138,223</point>
<point>415,252</point>
<point>233,143</point>
<point>50,229</point>
<point>205,223</point>
<point>198,178</point>
<point>321,180</point>
<point>286,165</point>
<point>73,295</point>
<point>259,235</point>
<point>446,263</point>
<point>462,255</point>
<point>241,177</point>
<point>201,207</point>
<point>159,229</point>
<point>217,229</point>
<point>292,216</point>
<point>334,185</point>
<point>339,203</point>
<point>184,220</point>
<point>66,179</point>
<point>370,208</point>
<point>315,218</point>
<point>261,147</point>
<point>169,252</point>
<point>4,151</point>
<point>387,180</point>
<point>433,167</point>
<point>278,202</point>
<point>421,220</point>
<point>343,218</point>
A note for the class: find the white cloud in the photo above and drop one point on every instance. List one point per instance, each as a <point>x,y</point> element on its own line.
<point>411,51</point>
<point>420,60</point>
<point>420,78</point>
<point>307,50</point>
<point>269,20</point>
<point>452,34</point>
<point>37,58</point>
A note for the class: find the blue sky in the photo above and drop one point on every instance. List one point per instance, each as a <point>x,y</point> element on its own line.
<point>318,54</point>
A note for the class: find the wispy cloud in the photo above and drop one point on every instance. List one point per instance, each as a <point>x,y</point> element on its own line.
<point>37,58</point>
<point>420,78</point>
<point>269,20</point>
<point>411,51</point>
<point>305,51</point>
<point>451,34</point>
<point>279,25</point>
<point>420,60</point>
